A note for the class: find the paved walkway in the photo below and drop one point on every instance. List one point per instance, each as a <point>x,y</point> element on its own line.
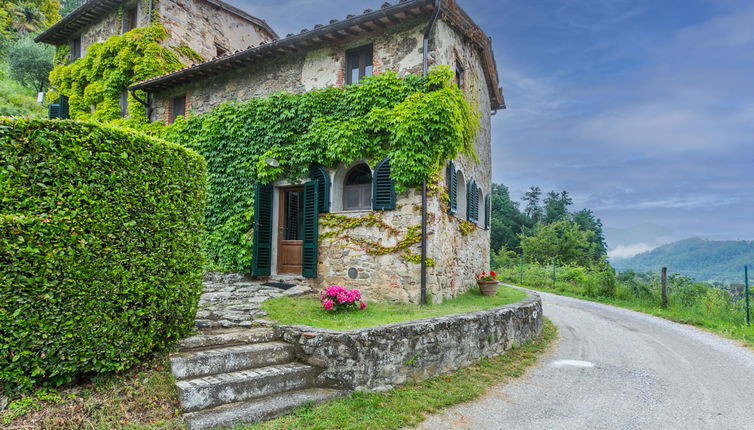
<point>234,300</point>
<point>618,369</point>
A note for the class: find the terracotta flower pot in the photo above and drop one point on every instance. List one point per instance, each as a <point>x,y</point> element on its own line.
<point>488,288</point>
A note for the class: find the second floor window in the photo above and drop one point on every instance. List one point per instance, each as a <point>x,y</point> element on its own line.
<point>76,48</point>
<point>178,107</point>
<point>130,20</point>
<point>358,64</point>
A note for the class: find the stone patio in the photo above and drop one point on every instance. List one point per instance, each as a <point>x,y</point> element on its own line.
<point>234,300</point>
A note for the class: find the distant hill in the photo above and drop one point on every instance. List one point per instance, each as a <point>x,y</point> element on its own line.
<point>704,260</point>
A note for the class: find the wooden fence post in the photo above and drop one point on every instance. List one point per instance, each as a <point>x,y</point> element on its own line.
<point>664,283</point>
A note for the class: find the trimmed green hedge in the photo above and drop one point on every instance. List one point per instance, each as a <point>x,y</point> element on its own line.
<point>99,248</point>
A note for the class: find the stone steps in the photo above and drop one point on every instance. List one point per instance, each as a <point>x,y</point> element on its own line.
<point>230,359</point>
<point>211,391</point>
<point>227,337</point>
<point>257,410</point>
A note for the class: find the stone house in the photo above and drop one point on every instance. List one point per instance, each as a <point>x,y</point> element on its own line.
<point>210,27</point>
<point>291,232</point>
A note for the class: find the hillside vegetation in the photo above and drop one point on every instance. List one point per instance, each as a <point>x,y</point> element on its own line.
<point>703,260</point>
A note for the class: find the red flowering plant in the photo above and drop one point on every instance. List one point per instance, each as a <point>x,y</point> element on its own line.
<point>487,277</point>
<point>336,298</point>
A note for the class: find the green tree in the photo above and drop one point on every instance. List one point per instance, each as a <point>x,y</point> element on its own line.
<point>30,63</point>
<point>533,210</point>
<point>507,220</point>
<point>556,206</point>
<point>586,220</point>
<point>563,240</point>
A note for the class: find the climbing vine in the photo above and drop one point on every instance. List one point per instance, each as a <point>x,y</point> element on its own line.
<point>338,227</point>
<point>95,82</point>
<point>419,122</point>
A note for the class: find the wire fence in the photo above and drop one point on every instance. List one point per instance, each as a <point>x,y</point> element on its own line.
<point>701,303</point>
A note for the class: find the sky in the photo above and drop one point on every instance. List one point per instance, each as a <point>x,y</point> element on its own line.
<point>642,109</point>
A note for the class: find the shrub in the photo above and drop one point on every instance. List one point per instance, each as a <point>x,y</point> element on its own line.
<point>99,247</point>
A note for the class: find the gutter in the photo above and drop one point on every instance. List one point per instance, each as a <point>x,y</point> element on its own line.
<point>425,70</point>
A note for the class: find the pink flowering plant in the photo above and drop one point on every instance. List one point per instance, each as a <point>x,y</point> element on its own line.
<point>336,298</point>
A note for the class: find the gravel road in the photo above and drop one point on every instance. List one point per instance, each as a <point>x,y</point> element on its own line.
<point>618,369</point>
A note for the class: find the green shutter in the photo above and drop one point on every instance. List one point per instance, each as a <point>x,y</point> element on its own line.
<point>309,250</point>
<point>487,212</point>
<point>383,187</point>
<point>472,204</point>
<point>319,173</point>
<point>262,258</point>
<point>452,189</point>
<point>64,107</point>
<point>53,111</point>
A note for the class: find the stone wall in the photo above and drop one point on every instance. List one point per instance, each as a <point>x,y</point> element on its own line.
<point>109,25</point>
<point>397,49</point>
<point>378,358</point>
<point>194,23</point>
<point>389,277</point>
<point>203,27</point>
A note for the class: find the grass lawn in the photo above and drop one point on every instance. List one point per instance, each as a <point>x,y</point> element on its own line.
<point>410,404</point>
<point>308,311</point>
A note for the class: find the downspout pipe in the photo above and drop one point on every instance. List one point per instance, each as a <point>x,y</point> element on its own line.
<point>425,70</point>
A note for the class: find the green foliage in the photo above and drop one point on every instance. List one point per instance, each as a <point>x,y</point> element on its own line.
<point>419,122</point>
<point>689,301</point>
<point>507,220</point>
<point>30,63</point>
<point>562,240</point>
<point>701,259</point>
<point>16,100</point>
<point>185,51</point>
<point>22,17</point>
<point>547,228</point>
<point>100,236</point>
<point>94,82</point>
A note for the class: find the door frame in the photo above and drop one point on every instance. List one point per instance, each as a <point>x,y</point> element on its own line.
<point>281,224</point>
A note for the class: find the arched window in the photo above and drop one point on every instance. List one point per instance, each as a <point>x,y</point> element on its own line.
<point>461,195</point>
<point>357,188</point>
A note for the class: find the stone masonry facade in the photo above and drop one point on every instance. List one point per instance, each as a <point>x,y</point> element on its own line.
<point>457,257</point>
<point>198,24</point>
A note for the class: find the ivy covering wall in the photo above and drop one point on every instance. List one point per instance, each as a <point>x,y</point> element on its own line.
<point>94,83</point>
<point>418,122</point>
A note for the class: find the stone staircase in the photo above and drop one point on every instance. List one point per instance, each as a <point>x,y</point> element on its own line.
<point>231,376</point>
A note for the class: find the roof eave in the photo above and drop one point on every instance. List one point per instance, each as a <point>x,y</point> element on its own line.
<point>71,24</point>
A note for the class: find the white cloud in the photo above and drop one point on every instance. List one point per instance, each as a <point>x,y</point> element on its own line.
<point>628,251</point>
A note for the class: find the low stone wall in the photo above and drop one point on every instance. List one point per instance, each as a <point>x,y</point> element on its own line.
<point>377,358</point>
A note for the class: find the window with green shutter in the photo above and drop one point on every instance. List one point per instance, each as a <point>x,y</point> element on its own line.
<point>262,258</point>
<point>487,212</point>
<point>320,174</point>
<point>383,187</point>
<point>452,188</point>
<point>310,230</point>
<point>472,201</point>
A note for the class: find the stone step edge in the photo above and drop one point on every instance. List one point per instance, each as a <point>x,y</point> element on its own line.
<point>257,410</point>
<point>227,337</point>
<point>266,380</point>
<point>188,358</point>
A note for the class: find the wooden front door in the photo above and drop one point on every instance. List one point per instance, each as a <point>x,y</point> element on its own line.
<point>290,229</point>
